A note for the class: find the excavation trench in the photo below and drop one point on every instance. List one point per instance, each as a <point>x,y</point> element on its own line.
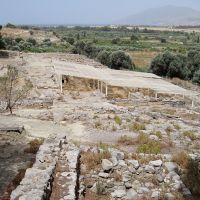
<point>65,178</point>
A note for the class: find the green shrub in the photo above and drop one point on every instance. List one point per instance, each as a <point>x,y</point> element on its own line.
<point>78,47</point>
<point>136,126</point>
<point>196,78</point>
<point>115,41</point>
<point>150,147</point>
<point>32,41</point>
<point>104,57</point>
<point>190,134</point>
<point>118,120</point>
<point>120,60</point>
<point>2,43</point>
<point>18,39</point>
<point>146,145</point>
<point>90,50</point>
<point>70,40</point>
<point>134,37</point>
<point>192,177</point>
<point>9,25</point>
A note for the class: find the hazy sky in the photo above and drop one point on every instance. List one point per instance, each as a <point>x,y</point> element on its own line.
<point>78,11</point>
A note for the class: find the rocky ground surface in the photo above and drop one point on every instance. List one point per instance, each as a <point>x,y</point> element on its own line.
<point>12,157</point>
<point>132,148</point>
<point>130,177</point>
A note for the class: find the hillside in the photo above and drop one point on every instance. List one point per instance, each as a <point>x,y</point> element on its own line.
<point>164,16</point>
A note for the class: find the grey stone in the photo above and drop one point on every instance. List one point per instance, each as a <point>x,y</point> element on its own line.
<point>160,178</point>
<point>134,163</point>
<point>149,169</point>
<point>186,191</point>
<point>126,176</point>
<point>155,195</point>
<point>107,165</point>
<point>169,196</point>
<point>143,190</point>
<point>156,163</point>
<point>103,175</point>
<point>128,185</point>
<point>122,163</point>
<point>132,195</point>
<point>176,178</point>
<point>118,193</point>
<point>132,169</point>
<point>116,154</point>
<point>136,184</point>
<point>139,171</point>
<point>114,161</point>
<point>170,166</point>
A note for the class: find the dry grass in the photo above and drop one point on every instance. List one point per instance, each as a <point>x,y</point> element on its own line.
<point>197,145</point>
<point>191,117</point>
<point>93,160</point>
<point>167,111</point>
<point>182,159</point>
<point>177,196</point>
<point>176,126</point>
<point>158,134</point>
<point>98,125</point>
<point>117,177</point>
<point>142,59</point>
<point>168,130</point>
<point>184,84</point>
<point>136,126</point>
<point>125,140</point>
<point>190,134</point>
<point>145,159</point>
<point>192,178</point>
<point>92,196</point>
<point>34,146</point>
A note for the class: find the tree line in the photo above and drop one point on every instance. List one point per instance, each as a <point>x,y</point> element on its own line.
<point>186,67</point>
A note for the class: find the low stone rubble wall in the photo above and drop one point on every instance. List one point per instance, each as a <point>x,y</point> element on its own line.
<point>38,181</point>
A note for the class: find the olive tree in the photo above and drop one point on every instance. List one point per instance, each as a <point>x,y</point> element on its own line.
<point>196,77</point>
<point>13,89</point>
<point>104,57</point>
<point>120,60</point>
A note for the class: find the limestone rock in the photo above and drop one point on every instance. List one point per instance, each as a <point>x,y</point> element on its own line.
<point>150,169</point>
<point>116,154</point>
<point>118,193</point>
<point>134,163</point>
<point>107,165</point>
<point>132,195</point>
<point>171,166</point>
<point>103,175</point>
<point>156,163</point>
<point>155,195</point>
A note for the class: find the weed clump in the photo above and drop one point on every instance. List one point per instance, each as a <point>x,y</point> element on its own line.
<point>146,145</point>
<point>34,146</point>
<point>98,125</point>
<point>182,159</point>
<point>125,140</point>
<point>190,134</point>
<point>118,120</point>
<point>192,177</point>
<point>136,126</point>
<point>93,160</point>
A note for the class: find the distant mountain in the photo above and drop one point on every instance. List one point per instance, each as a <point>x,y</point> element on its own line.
<point>164,16</point>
